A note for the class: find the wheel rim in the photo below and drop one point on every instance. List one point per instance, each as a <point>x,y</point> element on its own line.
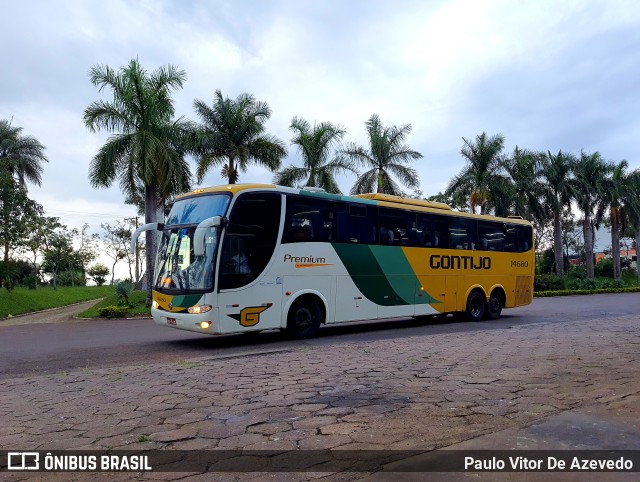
<point>475,306</point>
<point>303,318</point>
<point>494,304</point>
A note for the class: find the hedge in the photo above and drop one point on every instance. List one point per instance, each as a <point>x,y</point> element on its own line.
<point>547,294</point>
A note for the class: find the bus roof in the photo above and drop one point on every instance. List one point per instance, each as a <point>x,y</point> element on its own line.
<point>386,200</point>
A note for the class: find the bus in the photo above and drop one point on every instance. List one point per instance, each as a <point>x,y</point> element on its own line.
<point>252,257</point>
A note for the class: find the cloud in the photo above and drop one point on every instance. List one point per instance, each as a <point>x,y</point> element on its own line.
<point>548,75</point>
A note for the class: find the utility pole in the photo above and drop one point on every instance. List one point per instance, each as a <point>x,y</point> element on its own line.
<point>137,251</point>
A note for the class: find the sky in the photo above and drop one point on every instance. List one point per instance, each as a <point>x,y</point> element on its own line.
<point>548,75</point>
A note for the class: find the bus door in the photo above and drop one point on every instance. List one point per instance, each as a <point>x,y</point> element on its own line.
<point>250,296</point>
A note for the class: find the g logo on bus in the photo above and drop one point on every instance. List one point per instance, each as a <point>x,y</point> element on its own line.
<point>249,316</point>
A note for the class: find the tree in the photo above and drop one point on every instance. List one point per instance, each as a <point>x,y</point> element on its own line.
<point>592,188</point>
<point>557,192</point>
<point>60,256</point>
<point>99,273</point>
<point>388,154</point>
<point>316,148</point>
<point>233,135</point>
<point>17,214</point>
<point>483,179</point>
<point>524,168</point>
<point>615,199</point>
<point>148,147</point>
<point>631,203</point>
<point>116,240</point>
<point>36,239</point>
<point>21,156</point>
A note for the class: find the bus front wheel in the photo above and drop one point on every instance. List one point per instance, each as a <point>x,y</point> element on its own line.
<point>304,319</point>
<point>475,306</point>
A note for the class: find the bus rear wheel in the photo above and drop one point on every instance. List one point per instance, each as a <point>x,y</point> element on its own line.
<point>304,319</point>
<point>494,307</point>
<point>475,306</point>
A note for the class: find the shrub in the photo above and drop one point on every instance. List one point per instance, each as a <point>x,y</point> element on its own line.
<point>71,278</point>
<point>604,268</point>
<point>113,312</point>
<point>99,273</point>
<point>579,272</point>
<point>581,284</point>
<point>123,289</point>
<point>32,281</point>
<point>547,282</point>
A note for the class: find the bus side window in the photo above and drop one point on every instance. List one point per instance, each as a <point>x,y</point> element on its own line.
<point>463,234</point>
<point>524,237</point>
<point>356,223</point>
<point>308,220</point>
<point>491,236</point>
<point>397,226</point>
<point>510,239</point>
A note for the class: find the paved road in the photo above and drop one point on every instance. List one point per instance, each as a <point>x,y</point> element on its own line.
<point>38,348</point>
<point>561,373</point>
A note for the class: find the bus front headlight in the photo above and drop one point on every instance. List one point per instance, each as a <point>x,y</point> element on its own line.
<point>197,309</point>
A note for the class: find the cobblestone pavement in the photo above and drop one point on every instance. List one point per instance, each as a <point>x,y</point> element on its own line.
<point>423,392</point>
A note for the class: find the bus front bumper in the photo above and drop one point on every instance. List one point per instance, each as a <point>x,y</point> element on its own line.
<point>207,323</point>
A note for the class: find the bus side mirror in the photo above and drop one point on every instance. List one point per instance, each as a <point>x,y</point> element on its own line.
<point>144,227</point>
<point>201,229</point>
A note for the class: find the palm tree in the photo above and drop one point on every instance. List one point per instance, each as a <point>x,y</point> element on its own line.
<point>524,168</point>
<point>616,195</point>
<point>483,179</point>
<point>592,189</point>
<point>557,193</point>
<point>388,154</point>
<point>315,145</point>
<point>233,135</point>
<point>21,156</point>
<point>631,203</point>
<point>147,147</point>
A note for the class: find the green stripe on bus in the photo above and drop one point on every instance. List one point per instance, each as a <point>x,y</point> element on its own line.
<point>400,274</point>
<point>185,301</point>
<point>367,274</point>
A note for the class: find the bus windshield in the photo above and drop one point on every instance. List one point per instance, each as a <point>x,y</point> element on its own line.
<point>177,266</point>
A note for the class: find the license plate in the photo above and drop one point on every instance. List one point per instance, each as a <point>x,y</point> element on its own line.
<point>171,321</point>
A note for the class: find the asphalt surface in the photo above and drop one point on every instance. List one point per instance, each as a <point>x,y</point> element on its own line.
<point>51,343</point>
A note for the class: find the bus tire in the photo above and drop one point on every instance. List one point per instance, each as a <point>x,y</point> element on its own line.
<point>304,319</point>
<point>475,306</point>
<point>493,310</point>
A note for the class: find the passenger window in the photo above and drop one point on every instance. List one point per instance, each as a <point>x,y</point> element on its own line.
<point>308,220</point>
<point>396,227</point>
<point>432,231</point>
<point>462,234</point>
<point>356,223</point>
<point>491,236</point>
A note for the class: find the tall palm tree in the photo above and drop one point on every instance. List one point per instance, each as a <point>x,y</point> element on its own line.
<point>558,193</point>
<point>524,169</point>
<point>631,203</point>
<point>388,154</point>
<point>616,196</point>
<point>233,135</point>
<point>315,145</point>
<point>147,147</point>
<point>483,179</point>
<point>592,190</point>
<point>21,156</point>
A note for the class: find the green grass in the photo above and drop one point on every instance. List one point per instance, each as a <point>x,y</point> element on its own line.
<point>136,298</point>
<point>24,300</point>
